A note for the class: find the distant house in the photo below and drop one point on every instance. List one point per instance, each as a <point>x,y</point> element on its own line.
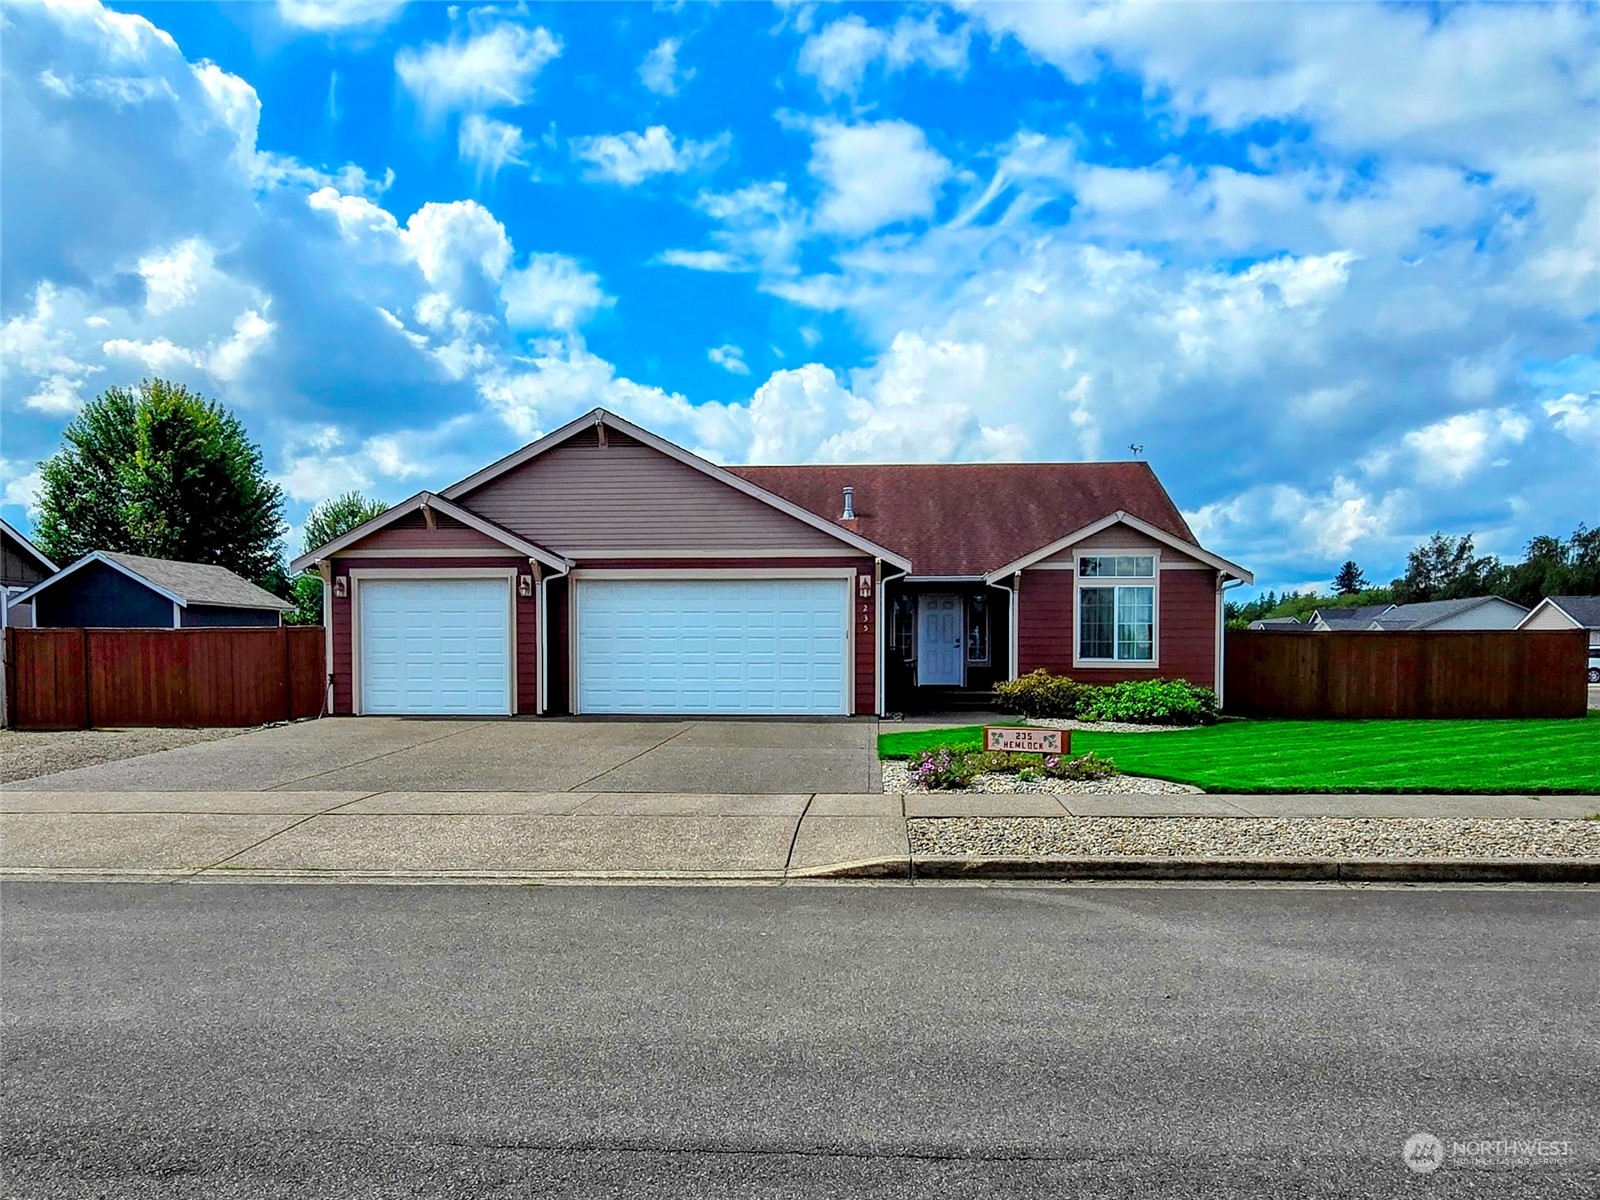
<point>1473,612</point>
<point>22,564</point>
<point>127,591</point>
<point>1281,625</point>
<point>1570,612</point>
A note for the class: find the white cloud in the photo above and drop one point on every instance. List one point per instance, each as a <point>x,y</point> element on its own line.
<point>327,16</point>
<point>171,278</point>
<point>551,291</point>
<point>159,355</point>
<point>251,331</point>
<point>628,159</point>
<point>487,70</point>
<point>875,174</point>
<point>839,54</point>
<point>730,358</point>
<point>1576,416</point>
<point>701,260</point>
<point>57,396</point>
<point>660,72</point>
<point>490,145</point>
<point>1448,451</point>
<point>21,486</point>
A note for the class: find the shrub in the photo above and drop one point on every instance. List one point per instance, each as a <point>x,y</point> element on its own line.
<point>1151,702</point>
<point>1085,766</point>
<point>942,768</point>
<point>1041,694</point>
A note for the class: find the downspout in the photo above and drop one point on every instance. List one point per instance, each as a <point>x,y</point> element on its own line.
<point>325,572</point>
<point>1222,586</point>
<point>1012,591</point>
<point>880,647</point>
<point>542,620</point>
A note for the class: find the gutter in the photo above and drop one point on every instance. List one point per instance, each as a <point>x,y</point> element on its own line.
<point>541,704</point>
<point>880,649</point>
<point>1012,590</point>
<point>1223,584</point>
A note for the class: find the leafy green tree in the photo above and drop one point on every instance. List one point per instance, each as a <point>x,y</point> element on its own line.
<point>328,520</point>
<point>1551,566</point>
<point>161,471</point>
<point>1349,581</point>
<point>1447,568</point>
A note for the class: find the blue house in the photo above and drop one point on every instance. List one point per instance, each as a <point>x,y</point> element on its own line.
<point>128,591</point>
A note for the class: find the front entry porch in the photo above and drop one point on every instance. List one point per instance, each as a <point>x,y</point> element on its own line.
<point>946,643</point>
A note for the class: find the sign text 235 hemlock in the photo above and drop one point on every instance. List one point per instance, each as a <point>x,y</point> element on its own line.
<point>631,576</point>
<point>1016,739</point>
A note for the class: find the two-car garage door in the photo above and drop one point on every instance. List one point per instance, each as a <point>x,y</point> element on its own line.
<point>735,646</point>
<point>760,646</point>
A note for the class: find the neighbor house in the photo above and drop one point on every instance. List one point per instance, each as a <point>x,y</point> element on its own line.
<point>1570,612</point>
<point>22,564</point>
<point>129,591</point>
<point>603,569</point>
<point>1475,612</point>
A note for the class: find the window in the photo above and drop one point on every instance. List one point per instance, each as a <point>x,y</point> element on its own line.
<point>1117,622</point>
<point>903,627</point>
<point>978,629</point>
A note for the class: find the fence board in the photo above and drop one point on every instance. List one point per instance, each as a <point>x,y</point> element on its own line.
<point>1431,674</point>
<point>70,678</point>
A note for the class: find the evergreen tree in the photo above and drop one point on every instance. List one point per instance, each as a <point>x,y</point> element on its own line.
<point>1349,581</point>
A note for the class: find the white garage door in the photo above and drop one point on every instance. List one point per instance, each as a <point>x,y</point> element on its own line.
<point>435,646</point>
<point>777,646</point>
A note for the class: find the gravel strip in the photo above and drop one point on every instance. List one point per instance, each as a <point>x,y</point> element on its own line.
<point>1253,837</point>
<point>897,778</point>
<point>27,754</point>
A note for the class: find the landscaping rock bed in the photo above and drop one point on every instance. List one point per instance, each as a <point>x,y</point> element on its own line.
<point>29,754</point>
<point>897,778</point>
<point>1253,837</point>
<point>1103,726</point>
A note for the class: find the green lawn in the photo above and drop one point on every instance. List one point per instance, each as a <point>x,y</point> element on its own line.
<point>1338,756</point>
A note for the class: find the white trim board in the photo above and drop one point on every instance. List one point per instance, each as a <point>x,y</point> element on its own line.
<point>420,501</point>
<point>13,532</point>
<point>1152,581</point>
<point>603,417</point>
<point>1132,522</point>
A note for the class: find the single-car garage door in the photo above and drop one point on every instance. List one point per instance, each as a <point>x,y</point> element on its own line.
<point>435,646</point>
<point>777,646</point>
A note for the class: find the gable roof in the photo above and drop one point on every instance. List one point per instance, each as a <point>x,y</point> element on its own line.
<point>27,547</point>
<point>1428,612</point>
<point>438,504</point>
<point>1357,616</point>
<point>971,519</point>
<point>732,478</point>
<point>1582,611</point>
<point>184,583</point>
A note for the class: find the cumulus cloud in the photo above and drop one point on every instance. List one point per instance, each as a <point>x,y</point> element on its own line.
<point>730,358</point>
<point>628,159</point>
<point>492,69</point>
<point>874,174</point>
<point>329,16</point>
<point>660,72</point>
<point>839,54</point>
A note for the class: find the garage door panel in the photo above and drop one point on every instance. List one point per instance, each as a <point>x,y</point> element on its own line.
<point>703,646</point>
<point>435,646</point>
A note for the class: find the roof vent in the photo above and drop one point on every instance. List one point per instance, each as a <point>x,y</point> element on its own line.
<point>849,504</point>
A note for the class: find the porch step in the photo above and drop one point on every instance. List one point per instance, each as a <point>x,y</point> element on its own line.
<point>952,700</point>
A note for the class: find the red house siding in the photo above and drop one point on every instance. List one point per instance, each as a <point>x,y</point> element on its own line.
<point>863,608</point>
<point>525,636</point>
<point>1186,630</point>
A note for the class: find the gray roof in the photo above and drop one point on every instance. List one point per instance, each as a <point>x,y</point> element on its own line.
<point>198,583</point>
<point>1583,609</point>
<point>1357,616</point>
<point>1410,616</point>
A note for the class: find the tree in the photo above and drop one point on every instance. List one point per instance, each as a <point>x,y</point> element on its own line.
<point>1349,581</point>
<point>328,520</point>
<point>1446,568</point>
<point>1553,567</point>
<point>161,471</point>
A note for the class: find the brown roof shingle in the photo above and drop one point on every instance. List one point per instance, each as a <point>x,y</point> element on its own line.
<point>972,518</point>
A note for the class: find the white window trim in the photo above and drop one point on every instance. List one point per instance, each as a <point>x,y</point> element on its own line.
<point>577,577</point>
<point>360,575</point>
<point>988,631</point>
<point>1153,582</point>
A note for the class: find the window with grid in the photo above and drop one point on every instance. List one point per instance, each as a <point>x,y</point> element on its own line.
<point>1116,620</point>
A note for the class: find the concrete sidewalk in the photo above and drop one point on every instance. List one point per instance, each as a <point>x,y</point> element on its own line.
<point>533,835</point>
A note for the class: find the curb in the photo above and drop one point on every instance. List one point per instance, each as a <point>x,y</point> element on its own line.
<point>1391,870</point>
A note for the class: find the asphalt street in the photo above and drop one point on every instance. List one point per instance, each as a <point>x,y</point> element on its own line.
<point>245,1040</point>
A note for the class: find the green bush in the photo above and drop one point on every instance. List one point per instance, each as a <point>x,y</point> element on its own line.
<point>1041,694</point>
<point>944,767</point>
<point>1151,702</point>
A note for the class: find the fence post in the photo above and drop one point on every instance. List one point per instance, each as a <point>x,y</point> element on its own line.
<point>288,674</point>
<point>88,711</point>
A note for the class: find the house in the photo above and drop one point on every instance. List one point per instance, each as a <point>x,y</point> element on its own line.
<point>22,564</point>
<point>602,569</point>
<point>1475,612</point>
<point>128,591</point>
<point>1570,612</point>
<point>1281,625</point>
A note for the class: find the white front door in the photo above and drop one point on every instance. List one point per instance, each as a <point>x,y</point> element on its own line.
<point>939,659</point>
<point>439,646</point>
<point>713,646</point>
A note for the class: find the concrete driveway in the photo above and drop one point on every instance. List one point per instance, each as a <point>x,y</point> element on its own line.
<point>383,754</point>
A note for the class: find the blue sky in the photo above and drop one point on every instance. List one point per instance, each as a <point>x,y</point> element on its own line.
<point>1337,268</point>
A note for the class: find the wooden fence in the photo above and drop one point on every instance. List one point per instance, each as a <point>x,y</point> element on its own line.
<point>1431,674</point>
<point>88,678</point>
